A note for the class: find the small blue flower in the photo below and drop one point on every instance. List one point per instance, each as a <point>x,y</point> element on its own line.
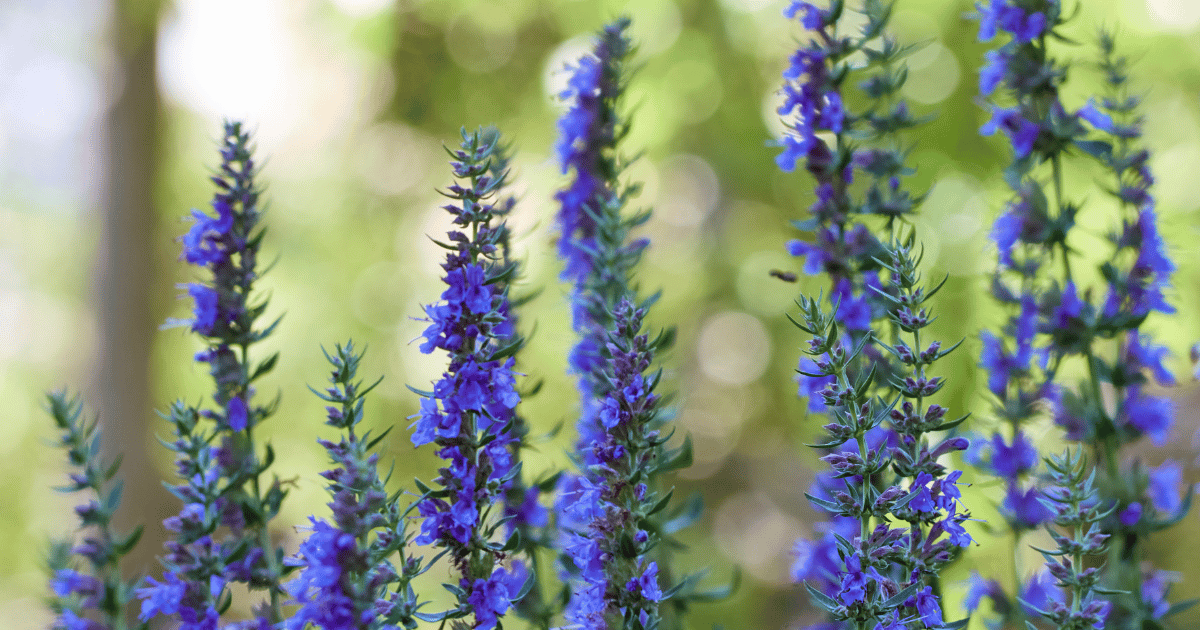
<point>978,588</point>
<point>1024,27</point>
<point>928,607</point>
<point>646,584</point>
<point>1013,461</point>
<point>1095,117</point>
<point>992,73</point>
<point>489,599</point>
<point>1131,514</point>
<point>1163,488</point>
<point>1040,592</point>
<point>1069,308</point>
<point>855,580</point>
<point>1155,585</point>
<point>814,18</point>
<point>1150,415</point>
<point>206,313</point>
<point>814,256</point>
<point>1021,132</point>
<point>236,413</point>
<point>161,598</point>
<point>955,532</point>
<point>1023,508</point>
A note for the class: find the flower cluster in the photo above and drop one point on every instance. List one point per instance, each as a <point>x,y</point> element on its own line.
<point>593,236</point>
<point>220,466</point>
<point>836,144</point>
<point>93,598</point>
<point>1054,320</point>
<point>608,508</point>
<point>1076,511</point>
<point>469,414</point>
<point>883,576</point>
<point>612,516</point>
<point>347,579</point>
<point>1137,276</point>
<point>1030,232</point>
<point>874,287</point>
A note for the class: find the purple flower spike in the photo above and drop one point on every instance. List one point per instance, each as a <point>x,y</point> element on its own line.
<point>468,412</point>
<point>228,501</point>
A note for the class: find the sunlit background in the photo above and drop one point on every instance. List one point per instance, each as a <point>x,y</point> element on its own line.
<point>109,114</point>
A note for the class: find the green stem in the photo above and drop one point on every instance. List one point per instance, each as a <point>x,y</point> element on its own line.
<point>264,535</point>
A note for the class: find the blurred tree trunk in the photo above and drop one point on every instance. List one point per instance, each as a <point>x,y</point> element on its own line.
<point>126,276</point>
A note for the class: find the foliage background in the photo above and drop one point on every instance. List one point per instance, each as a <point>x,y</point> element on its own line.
<point>351,100</point>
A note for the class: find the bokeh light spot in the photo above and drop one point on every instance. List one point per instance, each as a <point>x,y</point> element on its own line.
<point>482,40</point>
<point>689,191</point>
<point>1174,15</point>
<point>734,348</point>
<point>933,74</point>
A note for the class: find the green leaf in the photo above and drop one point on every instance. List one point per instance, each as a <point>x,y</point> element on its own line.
<point>1184,507</point>
<point>904,500</point>
<point>823,601</point>
<point>678,459</point>
<point>896,600</point>
<point>513,542</point>
<point>1098,149</point>
<point>419,392</point>
<point>719,593</point>
<point>525,588</point>
<point>664,341</point>
<point>944,353</point>
<point>1181,606</point>
<point>506,351</point>
<point>266,365</point>
<point>113,500</point>
<point>833,442</point>
<point>124,545</point>
<point>687,514</point>
<point>951,424</point>
<point>432,617</point>
<point>662,503</point>
<point>378,438</point>
<point>830,506</point>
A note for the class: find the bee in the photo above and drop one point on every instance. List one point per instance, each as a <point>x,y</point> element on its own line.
<point>788,276</point>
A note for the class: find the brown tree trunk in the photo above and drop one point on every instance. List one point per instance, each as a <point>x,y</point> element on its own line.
<point>126,278</point>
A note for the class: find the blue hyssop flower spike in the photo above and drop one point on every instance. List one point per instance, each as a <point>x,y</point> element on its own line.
<point>1076,511</point>
<point>1055,321</point>
<point>221,534</point>
<point>610,516</point>
<point>593,243</point>
<point>875,287</point>
<point>1138,276</point>
<point>881,576</point>
<point>93,596</point>
<point>347,579</point>
<point>470,412</point>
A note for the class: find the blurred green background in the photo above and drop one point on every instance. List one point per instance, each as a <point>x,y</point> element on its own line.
<point>108,122</point>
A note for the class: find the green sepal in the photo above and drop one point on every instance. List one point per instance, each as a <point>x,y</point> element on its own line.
<point>821,600</point>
